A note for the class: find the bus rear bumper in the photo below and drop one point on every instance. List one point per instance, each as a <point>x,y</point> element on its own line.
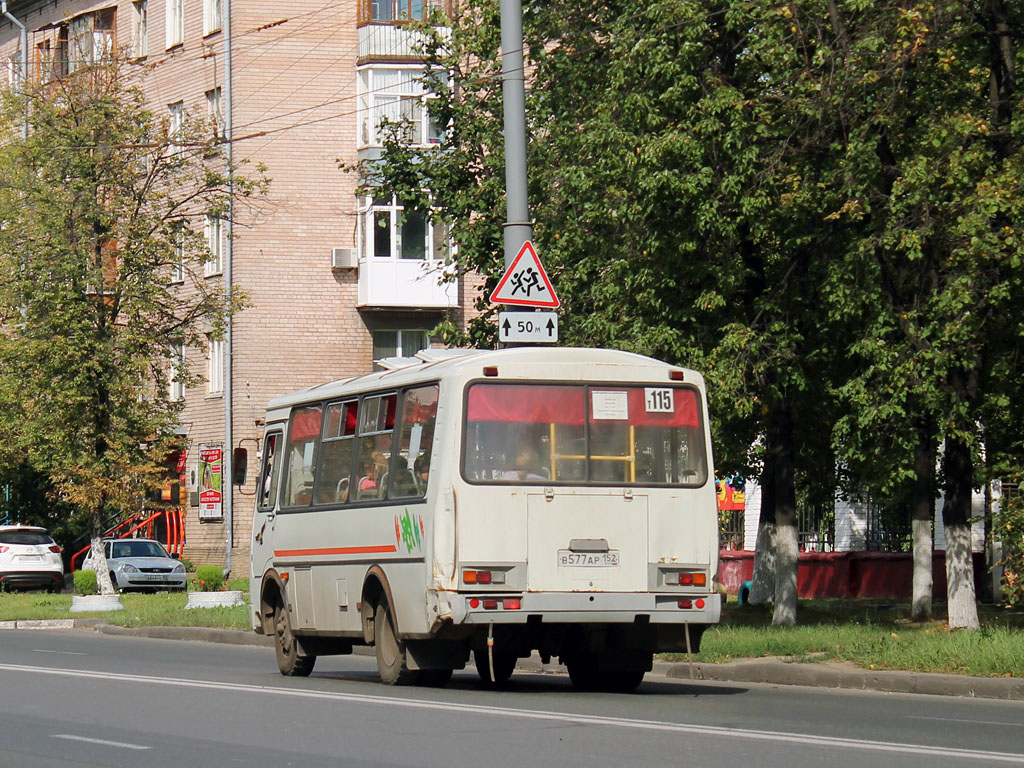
<point>585,608</point>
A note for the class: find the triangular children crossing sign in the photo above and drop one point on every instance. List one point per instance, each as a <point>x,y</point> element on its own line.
<point>525,283</point>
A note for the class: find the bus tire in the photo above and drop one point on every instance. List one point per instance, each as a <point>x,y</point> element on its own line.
<point>289,660</point>
<point>504,665</point>
<point>392,661</point>
<point>583,672</point>
<point>623,680</point>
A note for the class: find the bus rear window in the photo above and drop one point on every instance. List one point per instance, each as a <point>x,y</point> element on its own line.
<point>584,434</point>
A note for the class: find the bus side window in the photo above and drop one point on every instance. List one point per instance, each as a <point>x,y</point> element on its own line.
<point>335,470</point>
<point>271,474</point>
<point>376,434</point>
<point>303,442</point>
<point>411,469</point>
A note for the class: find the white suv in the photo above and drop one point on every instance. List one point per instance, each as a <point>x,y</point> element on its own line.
<point>29,558</point>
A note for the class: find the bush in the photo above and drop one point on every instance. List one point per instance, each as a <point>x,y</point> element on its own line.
<point>209,578</point>
<point>85,582</point>
<point>189,565</point>
<point>1008,527</point>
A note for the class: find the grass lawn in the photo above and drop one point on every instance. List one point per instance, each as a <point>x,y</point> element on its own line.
<point>163,609</point>
<point>870,633</point>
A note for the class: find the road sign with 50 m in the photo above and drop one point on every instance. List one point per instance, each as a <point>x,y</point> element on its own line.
<point>536,327</point>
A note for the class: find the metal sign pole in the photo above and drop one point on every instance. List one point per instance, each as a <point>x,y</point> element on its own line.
<point>518,228</point>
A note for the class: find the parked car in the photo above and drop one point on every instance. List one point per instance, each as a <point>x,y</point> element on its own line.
<point>29,559</point>
<point>141,564</point>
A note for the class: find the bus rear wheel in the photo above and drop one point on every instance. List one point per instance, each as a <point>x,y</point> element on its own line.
<point>289,660</point>
<point>392,661</point>
<point>504,665</point>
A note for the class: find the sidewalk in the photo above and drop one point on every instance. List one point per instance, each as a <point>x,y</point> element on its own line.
<point>767,670</point>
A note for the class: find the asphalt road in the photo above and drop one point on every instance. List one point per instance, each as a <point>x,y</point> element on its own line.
<point>78,698</point>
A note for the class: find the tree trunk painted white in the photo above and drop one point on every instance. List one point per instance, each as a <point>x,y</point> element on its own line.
<point>762,586</point>
<point>99,559</point>
<point>961,600</point>
<point>787,554</point>
<point>921,601</point>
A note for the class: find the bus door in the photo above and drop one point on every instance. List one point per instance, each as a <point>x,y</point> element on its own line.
<point>597,455</point>
<point>264,520</point>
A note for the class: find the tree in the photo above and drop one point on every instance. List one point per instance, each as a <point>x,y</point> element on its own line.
<point>99,251</point>
<point>810,202</point>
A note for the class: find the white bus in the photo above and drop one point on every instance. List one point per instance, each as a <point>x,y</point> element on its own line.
<point>491,503</point>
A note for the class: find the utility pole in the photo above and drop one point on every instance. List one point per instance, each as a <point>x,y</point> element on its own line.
<point>518,227</point>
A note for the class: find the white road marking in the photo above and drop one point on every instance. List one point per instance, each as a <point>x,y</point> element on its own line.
<point>101,742</point>
<point>64,653</point>
<point>462,710</point>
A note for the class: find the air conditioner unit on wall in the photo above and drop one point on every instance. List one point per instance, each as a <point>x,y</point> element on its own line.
<point>344,258</point>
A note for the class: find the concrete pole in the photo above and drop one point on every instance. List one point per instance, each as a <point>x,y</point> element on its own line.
<point>24,58</point>
<point>227,470</point>
<point>518,228</point>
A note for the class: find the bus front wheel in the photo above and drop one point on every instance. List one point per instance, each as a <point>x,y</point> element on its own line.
<point>289,660</point>
<point>391,655</point>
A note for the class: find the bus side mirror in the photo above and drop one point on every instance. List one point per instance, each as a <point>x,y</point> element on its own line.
<point>239,465</point>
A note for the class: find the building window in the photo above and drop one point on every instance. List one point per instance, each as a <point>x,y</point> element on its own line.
<point>212,12</point>
<point>389,230</point>
<point>14,69</point>
<point>404,343</point>
<point>214,233</point>
<point>397,11</point>
<point>176,373</point>
<point>395,95</point>
<point>215,365</point>
<point>176,127</point>
<point>215,112</point>
<point>90,39</point>
<point>140,28</point>
<point>178,265</point>
<point>175,18</point>
<point>44,68</point>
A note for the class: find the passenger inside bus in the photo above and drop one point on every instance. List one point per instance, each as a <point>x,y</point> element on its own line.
<point>527,466</point>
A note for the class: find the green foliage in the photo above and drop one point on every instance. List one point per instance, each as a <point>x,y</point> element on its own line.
<point>209,578</point>
<point>189,565</point>
<point>1008,530</point>
<point>85,582</point>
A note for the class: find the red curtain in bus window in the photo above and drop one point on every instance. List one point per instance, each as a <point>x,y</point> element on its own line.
<point>685,413</point>
<point>305,424</point>
<point>526,404</point>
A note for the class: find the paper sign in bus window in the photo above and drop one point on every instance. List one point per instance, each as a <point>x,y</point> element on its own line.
<point>608,406</point>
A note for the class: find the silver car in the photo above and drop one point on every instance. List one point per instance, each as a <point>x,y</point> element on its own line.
<point>141,564</point>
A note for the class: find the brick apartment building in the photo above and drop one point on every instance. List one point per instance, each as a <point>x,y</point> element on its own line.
<point>298,87</point>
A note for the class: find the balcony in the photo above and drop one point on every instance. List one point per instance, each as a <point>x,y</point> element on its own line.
<point>406,283</point>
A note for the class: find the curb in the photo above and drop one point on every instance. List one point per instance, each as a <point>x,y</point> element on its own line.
<point>829,675</point>
<point>772,672</point>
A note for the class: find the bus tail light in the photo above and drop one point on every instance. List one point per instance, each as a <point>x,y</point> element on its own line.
<point>476,576</point>
<point>686,578</point>
<point>685,603</point>
<point>511,604</point>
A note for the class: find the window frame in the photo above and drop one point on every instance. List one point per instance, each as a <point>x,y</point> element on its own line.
<point>176,127</point>
<point>174,23</point>
<point>176,373</point>
<point>213,233</point>
<point>213,15</point>
<point>275,478</point>
<point>393,208</point>
<point>588,387</point>
<point>214,366</point>
<point>394,431</point>
<point>140,29</point>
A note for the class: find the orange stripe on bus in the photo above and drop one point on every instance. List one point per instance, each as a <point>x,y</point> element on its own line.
<point>335,551</point>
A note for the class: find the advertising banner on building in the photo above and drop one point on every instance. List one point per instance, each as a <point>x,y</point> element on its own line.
<point>211,505</point>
